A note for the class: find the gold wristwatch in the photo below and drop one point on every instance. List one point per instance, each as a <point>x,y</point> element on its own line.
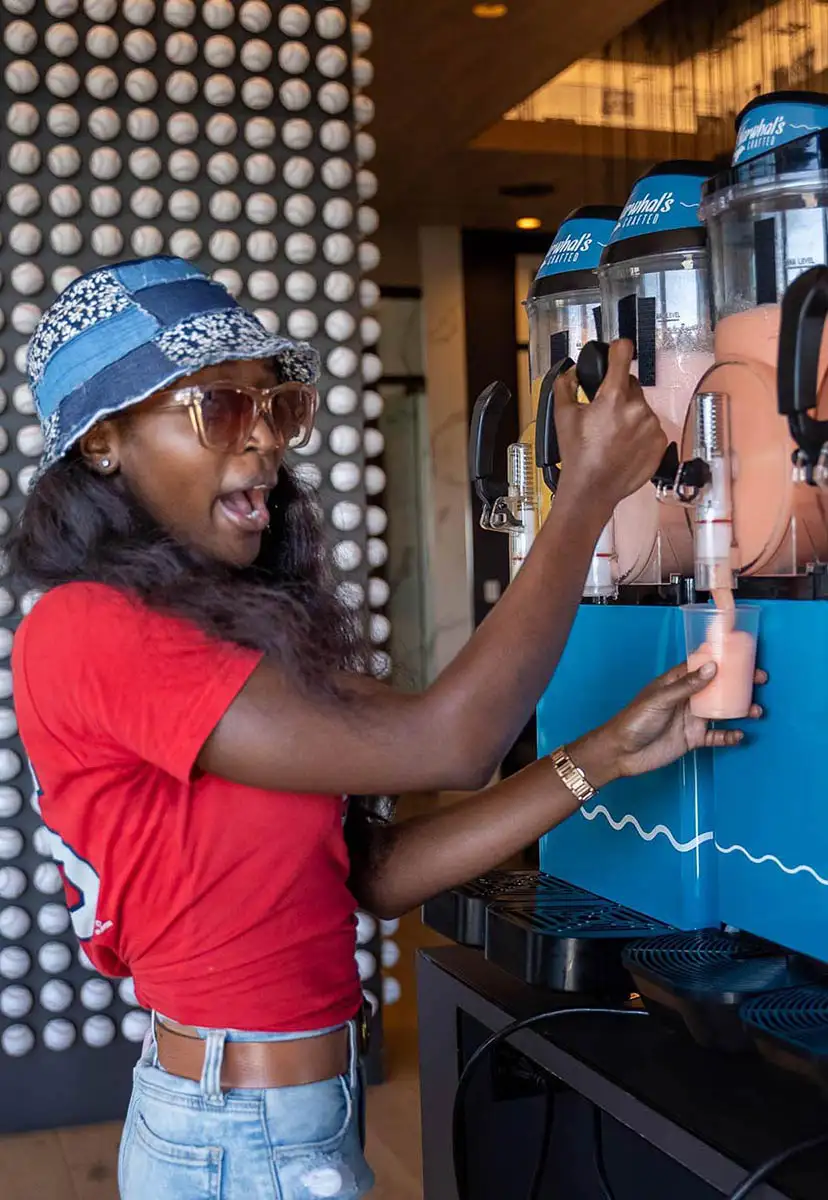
<point>572,776</point>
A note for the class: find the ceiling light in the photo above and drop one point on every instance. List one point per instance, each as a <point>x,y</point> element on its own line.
<point>528,222</point>
<point>489,11</point>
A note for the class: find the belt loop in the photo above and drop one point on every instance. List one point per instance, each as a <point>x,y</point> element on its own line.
<point>211,1072</point>
<point>149,1050</point>
<point>353,1055</point>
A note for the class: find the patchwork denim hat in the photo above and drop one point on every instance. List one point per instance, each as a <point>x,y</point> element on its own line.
<point>120,333</point>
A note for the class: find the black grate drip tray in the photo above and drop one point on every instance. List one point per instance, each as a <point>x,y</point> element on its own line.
<point>790,1029</point>
<point>700,980</point>
<point>460,913</point>
<point>575,946</point>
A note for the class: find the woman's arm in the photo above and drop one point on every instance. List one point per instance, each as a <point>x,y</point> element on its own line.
<point>395,868</point>
<point>453,735</point>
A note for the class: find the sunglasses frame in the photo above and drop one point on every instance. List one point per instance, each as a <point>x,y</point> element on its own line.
<point>191,399</point>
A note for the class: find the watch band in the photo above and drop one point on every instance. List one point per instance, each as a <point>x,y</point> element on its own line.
<point>572,776</point>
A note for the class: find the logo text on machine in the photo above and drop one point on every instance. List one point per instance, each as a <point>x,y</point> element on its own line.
<point>647,209</point>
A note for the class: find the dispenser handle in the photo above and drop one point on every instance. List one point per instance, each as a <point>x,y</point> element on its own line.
<point>489,408</point>
<point>547,452</point>
<point>804,312</point>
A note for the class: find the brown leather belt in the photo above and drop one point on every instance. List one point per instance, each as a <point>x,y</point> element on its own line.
<point>255,1064</point>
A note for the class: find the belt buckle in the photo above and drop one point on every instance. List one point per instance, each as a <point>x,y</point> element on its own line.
<point>364,1028</point>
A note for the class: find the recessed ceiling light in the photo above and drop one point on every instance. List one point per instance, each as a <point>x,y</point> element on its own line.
<point>528,222</point>
<point>490,12</point>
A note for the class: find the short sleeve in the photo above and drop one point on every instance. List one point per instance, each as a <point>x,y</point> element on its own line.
<point>102,671</point>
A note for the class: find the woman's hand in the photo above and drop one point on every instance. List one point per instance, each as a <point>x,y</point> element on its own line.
<point>655,729</point>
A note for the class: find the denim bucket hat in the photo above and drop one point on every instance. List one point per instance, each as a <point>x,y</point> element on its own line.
<point>120,333</point>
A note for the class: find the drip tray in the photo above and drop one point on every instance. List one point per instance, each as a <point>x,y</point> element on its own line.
<point>699,981</point>
<point>790,1029</point>
<point>569,946</point>
<point>460,914</point>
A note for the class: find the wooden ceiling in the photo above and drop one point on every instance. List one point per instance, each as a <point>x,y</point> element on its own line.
<point>444,77</point>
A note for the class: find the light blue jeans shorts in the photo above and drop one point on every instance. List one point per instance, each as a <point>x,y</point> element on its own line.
<point>192,1141</point>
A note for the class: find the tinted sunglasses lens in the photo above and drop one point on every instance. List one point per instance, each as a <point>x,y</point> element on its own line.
<point>301,401</point>
<point>227,417</point>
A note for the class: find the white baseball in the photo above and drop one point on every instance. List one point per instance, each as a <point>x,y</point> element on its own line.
<point>64,161</point>
<point>61,8</point>
<point>294,95</point>
<point>225,245</point>
<point>183,165</point>
<point>101,83</point>
<point>101,41</point>
<point>379,593</point>
<point>338,249</point>
<point>58,1034</point>
<point>185,243</point>
<point>260,208</point>
<point>62,40</point>
<point>294,20</point>
<point>41,840</point>
<point>24,318</point>
<point>98,1031</point>
<point>27,279</point>
<point>184,205</point>
<point>181,49</point>
<point>298,172</point>
<point>366,964</point>
<point>65,238</point>
<point>376,550</point>
<point>339,287</point>
<point>105,201</point>
<point>104,123</point>
<point>16,1001</point>
<point>332,61</point>
<point>337,213</point>
<point>345,476</point>
<point>352,595</point>
<point>12,883</point>
<point>361,37</point>
<point>262,246</point>
<point>331,22</point>
<point>346,555</point>
<point>369,256</point>
<point>390,952</point>
<point>84,960</point>
<point>107,241</point>
<point>218,14</point>
<point>23,199</point>
<point>182,128</point>
<point>100,10</point>
<point>61,278</point>
<point>219,50</point>
<point>256,55</point>
<point>376,519</point>
<point>143,124</point>
<point>334,135</point>
<point>21,76</point>
<point>366,926</point>
<point>257,92</point>
<point>22,118</point>
<point>346,517</point>
<point>139,12</point>
<point>15,922</point>
<point>262,285</point>
<point>336,173</point>
<point>364,109</point>
<point>20,360</point>
<point>343,440</point>
<point>179,13</point>
<point>314,442</point>
<point>299,209</point>
<point>11,801</point>
<point>302,324</point>
<point>371,368</point>
<point>141,85</point>
<point>341,400</point>
<point>223,167</point>
<point>15,962</point>
<point>366,147</point>
<point>300,286</point>
<point>219,90</point>
<point>268,318</point>
<point>366,184</point>
<point>342,362</point>
<point>135,1024</point>
<point>56,995</point>
<point>367,220</point>
<point>47,879</point>
<point>360,7</point>
<point>147,241</point>
<point>146,202</point>
<point>182,87</point>
<point>6,643</point>
<point>229,279</point>
<point>17,1040</point>
<point>25,238</point>
<point>363,73</point>
<point>260,132</point>
<point>225,206</point>
<point>19,8</point>
<point>126,991</point>
<point>369,331</point>
<point>105,162</point>
<point>5,521</point>
<point>300,248</point>
<point>221,129</point>
<point>62,80</point>
<point>139,45</point>
<point>340,325</point>
<point>259,169</point>
<point>333,97</point>
<point>297,133</point>
<point>24,158</point>
<point>374,480</point>
<point>96,994</point>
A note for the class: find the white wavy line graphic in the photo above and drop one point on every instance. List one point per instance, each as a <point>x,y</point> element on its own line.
<point>684,204</point>
<point>772,858</point>
<point>807,128</point>
<point>601,810</point>
<point>659,831</point>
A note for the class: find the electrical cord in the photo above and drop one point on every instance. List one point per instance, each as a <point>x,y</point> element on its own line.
<point>598,1153</point>
<point>536,1185</point>
<point>767,1169</point>
<point>502,1035</point>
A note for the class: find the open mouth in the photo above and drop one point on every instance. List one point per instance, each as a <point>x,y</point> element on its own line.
<point>247,509</point>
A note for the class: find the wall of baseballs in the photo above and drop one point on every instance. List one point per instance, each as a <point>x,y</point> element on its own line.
<point>233,133</point>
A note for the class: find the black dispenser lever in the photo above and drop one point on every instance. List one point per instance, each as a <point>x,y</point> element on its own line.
<point>804,311</point>
<point>489,408</point>
<point>547,454</point>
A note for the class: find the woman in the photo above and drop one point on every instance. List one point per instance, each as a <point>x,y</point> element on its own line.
<point>190,693</point>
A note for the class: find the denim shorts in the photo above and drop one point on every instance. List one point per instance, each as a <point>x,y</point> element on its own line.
<point>192,1141</point>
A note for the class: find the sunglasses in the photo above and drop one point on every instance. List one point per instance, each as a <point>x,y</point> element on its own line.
<point>224,415</point>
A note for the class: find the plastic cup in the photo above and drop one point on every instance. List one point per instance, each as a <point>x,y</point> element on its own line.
<point>728,638</point>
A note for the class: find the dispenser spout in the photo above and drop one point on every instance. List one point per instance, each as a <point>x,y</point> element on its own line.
<point>520,506</point>
<point>713,526</point>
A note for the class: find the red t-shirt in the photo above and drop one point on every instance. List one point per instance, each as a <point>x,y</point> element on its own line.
<point>228,905</point>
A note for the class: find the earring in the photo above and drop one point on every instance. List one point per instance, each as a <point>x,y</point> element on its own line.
<point>105,464</point>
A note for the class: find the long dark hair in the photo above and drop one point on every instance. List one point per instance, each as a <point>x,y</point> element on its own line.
<point>80,526</point>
